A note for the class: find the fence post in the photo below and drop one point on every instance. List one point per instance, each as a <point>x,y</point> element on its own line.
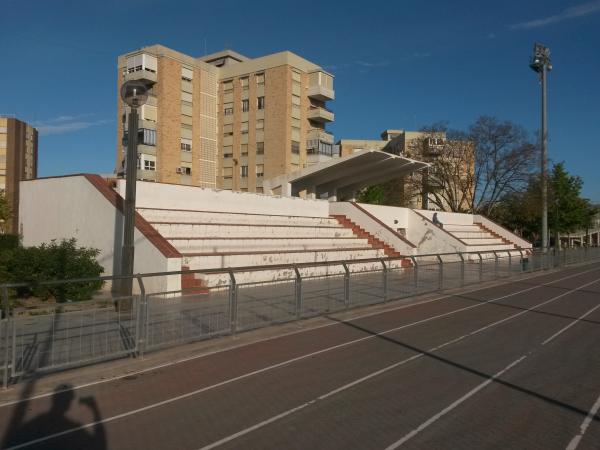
<point>141,324</point>
<point>298,293</point>
<point>6,310</point>
<point>415,272</point>
<point>495,264</point>
<point>385,280</point>
<point>462,269</point>
<point>233,306</point>
<point>346,285</point>
<point>480,266</point>
<point>440,273</point>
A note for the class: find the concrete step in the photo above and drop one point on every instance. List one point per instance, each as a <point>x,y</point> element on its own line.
<point>459,227</point>
<point>166,215</point>
<point>481,241</point>
<point>471,234</point>
<point>242,245</point>
<point>487,248</point>
<point>172,230</point>
<point>198,261</point>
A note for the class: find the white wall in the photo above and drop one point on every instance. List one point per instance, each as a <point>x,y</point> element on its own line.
<point>429,238</point>
<point>448,217</point>
<point>173,196</point>
<point>71,207</point>
<point>389,215</point>
<point>372,226</point>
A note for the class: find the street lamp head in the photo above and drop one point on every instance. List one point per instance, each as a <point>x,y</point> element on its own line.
<point>134,93</point>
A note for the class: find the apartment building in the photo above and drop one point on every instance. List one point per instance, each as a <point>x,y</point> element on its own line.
<point>18,161</point>
<point>428,147</point>
<point>225,120</point>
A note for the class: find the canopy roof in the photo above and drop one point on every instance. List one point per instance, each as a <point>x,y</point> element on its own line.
<point>347,175</point>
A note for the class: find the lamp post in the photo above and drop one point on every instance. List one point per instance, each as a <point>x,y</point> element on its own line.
<point>540,63</point>
<point>134,94</point>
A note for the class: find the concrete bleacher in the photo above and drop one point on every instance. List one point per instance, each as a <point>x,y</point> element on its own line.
<point>219,240</point>
<point>477,238</point>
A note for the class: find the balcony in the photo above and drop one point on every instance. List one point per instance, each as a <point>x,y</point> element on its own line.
<point>320,86</point>
<point>320,114</point>
<point>317,134</point>
<point>146,76</point>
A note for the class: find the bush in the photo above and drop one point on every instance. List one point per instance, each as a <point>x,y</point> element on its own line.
<point>55,261</point>
<point>8,242</point>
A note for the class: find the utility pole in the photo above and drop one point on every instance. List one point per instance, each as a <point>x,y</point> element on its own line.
<point>540,63</point>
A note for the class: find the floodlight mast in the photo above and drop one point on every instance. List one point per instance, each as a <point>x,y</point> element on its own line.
<point>540,63</point>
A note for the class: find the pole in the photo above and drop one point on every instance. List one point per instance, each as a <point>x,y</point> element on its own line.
<point>544,161</point>
<point>127,256</point>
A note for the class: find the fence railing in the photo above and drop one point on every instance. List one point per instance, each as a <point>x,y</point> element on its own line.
<point>37,336</point>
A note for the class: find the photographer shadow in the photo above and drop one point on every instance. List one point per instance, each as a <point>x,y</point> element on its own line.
<point>54,429</point>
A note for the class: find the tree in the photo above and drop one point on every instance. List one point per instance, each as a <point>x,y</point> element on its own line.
<point>567,210</point>
<point>504,161</point>
<point>5,212</point>
<point>448,183</point>
<point>374,195</point>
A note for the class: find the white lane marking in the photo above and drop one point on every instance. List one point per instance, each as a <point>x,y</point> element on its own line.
<point>453,405</point>
<point>469,394</point>
<point>393,366</point>
<point>274,366</point>
<point>584,426</point>
<point>235,347</point>
<point>562,330</point>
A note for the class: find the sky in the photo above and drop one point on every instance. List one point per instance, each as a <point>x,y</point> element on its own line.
<point>397,64</point>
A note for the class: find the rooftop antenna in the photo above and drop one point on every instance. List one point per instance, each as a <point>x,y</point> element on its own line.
<point>205,48</point>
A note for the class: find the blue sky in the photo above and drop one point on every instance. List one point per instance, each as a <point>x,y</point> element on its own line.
<point>401,64</point>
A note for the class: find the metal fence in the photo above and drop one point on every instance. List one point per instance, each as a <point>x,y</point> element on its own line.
<point>56,336</point>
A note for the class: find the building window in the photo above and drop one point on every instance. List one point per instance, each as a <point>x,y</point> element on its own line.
<point>228,129</point>
<point>244,171</point>
<point>227,173</point>
<point>146,137</point>
<point>245,105</point>
<point>260,103</point>
<point>149,165</point>
<point>184,170</point>
<point>228,151</point>
<point>295,147</point>
<point>228,109</point>
<point>187,74</point>
<point>260,124</point>
<point>228,86</point>
<point>186,145</point>
<point>244,127</point>
<point>260,148</point>
<point>260,170</point>
<point>146,162</point>
<point>244,149</point>
<point>260,79</point>
<point>244,83</point>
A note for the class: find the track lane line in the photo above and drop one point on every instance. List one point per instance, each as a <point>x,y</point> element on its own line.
<point>292,333</point>
<point>299,358</point>
<point>479,387</point>
<point>398,364</point>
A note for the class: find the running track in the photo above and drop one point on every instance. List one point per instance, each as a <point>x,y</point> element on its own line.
<point>515,365</point>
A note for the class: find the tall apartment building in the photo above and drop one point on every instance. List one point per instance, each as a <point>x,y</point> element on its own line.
<point>225,120</point>
<point>18,161</point>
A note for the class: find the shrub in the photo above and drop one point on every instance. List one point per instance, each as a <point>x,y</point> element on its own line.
<point>56,261</point>
<point>8,242</point>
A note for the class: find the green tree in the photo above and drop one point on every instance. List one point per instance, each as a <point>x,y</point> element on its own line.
<point>5,212</point>
<point>374,195</point>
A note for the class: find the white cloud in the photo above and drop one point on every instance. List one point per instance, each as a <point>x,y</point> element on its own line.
<point>68,124</point>
<point>573,12</point>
